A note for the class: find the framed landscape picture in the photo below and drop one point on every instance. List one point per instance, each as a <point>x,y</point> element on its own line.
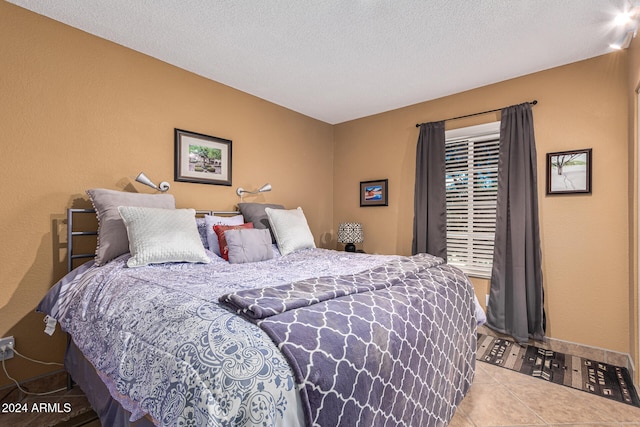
<point>202,158</point>
<point>374,193</point>
<point>569,172</point>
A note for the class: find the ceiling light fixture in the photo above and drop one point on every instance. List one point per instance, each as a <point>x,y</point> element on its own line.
<point>623,18</point>
<point>624,41</point>
<point>629,21</point>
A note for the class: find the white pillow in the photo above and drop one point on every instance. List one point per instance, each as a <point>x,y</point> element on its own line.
<point>290,229</point>
<point>162,235</point>
<point>211,221</point>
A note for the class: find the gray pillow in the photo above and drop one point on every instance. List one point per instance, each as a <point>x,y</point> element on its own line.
<point>112,233</point>
<point>254,212</point>
<point>248,245</point>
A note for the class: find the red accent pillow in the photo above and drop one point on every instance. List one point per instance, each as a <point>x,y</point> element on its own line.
<point>222,241</point>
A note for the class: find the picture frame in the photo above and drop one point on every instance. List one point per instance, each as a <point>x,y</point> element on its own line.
<point>202,159</point>
<point>569,172</point>
<point>374,193</point>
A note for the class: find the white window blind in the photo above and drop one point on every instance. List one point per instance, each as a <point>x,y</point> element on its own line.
<point>472,185</point>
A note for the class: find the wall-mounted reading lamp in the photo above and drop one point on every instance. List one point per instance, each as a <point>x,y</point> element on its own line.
<point>164,185</point>
<point>241,191</point>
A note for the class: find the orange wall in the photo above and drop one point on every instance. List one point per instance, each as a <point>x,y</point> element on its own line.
<point>78,112</point>
<point>585,238</point>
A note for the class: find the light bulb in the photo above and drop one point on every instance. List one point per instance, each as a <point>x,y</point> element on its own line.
<point>622,19</point>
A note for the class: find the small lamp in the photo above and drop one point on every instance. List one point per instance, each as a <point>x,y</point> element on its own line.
<point>241,191</point>
<point>142,178</point>
<point>350,233</point>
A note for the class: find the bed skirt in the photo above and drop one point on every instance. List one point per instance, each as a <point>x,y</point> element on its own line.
<point>110,412</point>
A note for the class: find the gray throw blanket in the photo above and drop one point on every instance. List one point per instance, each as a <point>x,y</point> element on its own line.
<point>390,346</point>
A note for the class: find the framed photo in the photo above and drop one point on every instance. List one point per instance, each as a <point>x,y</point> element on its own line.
<point>569,172</point>
<point>374,193</point>
<point>202,158</point>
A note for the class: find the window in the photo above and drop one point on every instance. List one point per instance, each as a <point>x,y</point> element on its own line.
<point>472,185</point>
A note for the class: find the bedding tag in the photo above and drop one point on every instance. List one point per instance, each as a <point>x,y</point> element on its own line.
<point>51,325</point>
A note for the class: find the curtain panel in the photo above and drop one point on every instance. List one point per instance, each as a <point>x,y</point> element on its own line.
<point>430,204</point>
<point>516,298</point>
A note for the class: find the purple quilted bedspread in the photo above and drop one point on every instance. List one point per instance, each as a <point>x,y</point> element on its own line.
<point>390,346</point>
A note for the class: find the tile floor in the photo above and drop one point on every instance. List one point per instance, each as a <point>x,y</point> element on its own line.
<point>501,397</point>
<point>498,397</point>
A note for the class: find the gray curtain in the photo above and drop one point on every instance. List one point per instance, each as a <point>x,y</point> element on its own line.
<point>516,305</point>
<point>430,208</point>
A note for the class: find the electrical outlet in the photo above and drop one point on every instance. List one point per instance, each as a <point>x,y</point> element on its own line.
<point>9,342</point>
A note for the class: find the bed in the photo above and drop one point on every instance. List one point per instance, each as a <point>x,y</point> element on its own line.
<point>280,333</point>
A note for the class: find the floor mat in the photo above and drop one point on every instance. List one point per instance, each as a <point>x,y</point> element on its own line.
<point>602,379</point>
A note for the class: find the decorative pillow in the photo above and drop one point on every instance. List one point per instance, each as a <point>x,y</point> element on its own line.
<point>112,234</point>
<point>202,231</point>
<point>222,241</point>
<point>248,245</point>
<point>290,229</point>
<point>162,235</point>
<point>255,213</point>
<point>212,237</point>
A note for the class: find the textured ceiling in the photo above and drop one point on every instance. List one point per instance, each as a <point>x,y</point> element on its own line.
<point>337,60</point>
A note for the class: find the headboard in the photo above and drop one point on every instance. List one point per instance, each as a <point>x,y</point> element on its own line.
<point>73,215</point>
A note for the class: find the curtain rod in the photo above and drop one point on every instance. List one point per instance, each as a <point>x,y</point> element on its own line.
<point>534,102</point>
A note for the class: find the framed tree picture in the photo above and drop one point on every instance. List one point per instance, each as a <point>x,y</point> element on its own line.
<point>202,158</point>
<point>569,172</point>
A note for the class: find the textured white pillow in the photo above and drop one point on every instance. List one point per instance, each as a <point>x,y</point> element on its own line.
<point>162,235</point>
<point>211,221</point>
<point>290,229</point>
